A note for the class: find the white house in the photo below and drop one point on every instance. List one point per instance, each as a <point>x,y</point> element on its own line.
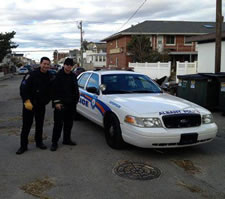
<point>206,52</point>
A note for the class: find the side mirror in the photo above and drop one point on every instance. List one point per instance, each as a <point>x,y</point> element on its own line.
<point>92,90</point>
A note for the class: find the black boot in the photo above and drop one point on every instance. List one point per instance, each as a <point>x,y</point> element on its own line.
<point>41,146</point>
<point>70,142</point>
<point>54,147</point>
<point>21,150</point>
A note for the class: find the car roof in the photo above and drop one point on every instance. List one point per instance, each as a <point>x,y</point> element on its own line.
<point>109,72</point>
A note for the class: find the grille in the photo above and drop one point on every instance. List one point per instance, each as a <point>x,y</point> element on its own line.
<point>182,120</point>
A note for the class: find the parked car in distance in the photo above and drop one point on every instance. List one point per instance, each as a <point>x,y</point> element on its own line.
<point>133,109</point>
<point>23,71</point>
<point>52,71</point>
<point>78,70</point>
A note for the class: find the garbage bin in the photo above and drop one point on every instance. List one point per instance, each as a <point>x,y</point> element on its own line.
<point>222,94</point>
<point>202,89</point>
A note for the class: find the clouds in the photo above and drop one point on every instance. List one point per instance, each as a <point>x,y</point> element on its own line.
<point>52,24</point>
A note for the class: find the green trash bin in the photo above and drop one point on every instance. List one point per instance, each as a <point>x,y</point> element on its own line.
<point>222,94</point>
<point>219,79</point>
<point>201,89</point>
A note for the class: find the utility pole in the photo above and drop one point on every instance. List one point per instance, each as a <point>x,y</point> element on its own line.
<point>219,20</point>
<point>81,43</point>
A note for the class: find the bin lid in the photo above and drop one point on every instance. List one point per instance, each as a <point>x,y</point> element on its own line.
<point>213,75</point>
<point>192,77</point>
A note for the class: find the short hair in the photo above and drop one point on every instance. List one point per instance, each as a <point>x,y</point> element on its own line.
<point>68,62</point>
<point>45,58</point>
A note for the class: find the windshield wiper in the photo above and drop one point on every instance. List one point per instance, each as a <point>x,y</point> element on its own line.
<point>117,92</point>
<point>143,91</point>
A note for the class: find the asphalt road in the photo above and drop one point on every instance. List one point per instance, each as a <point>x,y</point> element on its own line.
<point>86,171</point>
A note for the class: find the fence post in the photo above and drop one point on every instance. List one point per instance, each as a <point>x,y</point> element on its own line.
<point>196,66</point>
<point>186,66</point>
<point>158,69</point>
<point>177,69</point>
<point>169,66</point>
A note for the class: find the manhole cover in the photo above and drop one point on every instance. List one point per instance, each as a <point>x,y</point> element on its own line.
<point>136,171</point>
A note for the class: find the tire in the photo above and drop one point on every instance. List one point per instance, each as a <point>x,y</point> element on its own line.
<point>113,133</point>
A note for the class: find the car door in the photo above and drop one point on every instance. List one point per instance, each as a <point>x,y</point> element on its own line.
<point>83,104</point>
<point>92,89</point>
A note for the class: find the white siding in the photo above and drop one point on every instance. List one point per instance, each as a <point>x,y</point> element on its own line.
<point>206,57</point>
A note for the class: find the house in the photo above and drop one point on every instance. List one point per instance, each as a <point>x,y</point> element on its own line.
<point>57,56</point>
<point>95,55</point>
<point>206,52</point>
<point>164,35</point>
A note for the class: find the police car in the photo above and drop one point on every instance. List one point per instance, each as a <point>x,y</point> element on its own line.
<point>133,109</point>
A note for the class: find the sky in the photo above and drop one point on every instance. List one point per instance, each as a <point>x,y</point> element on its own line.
<point>43,26</point>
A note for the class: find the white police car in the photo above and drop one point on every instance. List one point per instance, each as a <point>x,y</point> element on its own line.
<point>133,109</point>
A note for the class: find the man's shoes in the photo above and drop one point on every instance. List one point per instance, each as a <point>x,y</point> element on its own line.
<point>71,143</point>
<point>54,147</point>
<point>41,146</point>
<point>21,150</point>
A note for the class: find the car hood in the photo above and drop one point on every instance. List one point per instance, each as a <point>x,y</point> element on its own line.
<point>145,104</point>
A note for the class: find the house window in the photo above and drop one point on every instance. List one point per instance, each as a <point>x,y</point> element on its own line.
<point>185,42</point>
<point>117,61</point>
<point>100,58</point>
<point>170,40</point>
<point>116,43</point>
<point>104,58</point>
<point>96,58</point>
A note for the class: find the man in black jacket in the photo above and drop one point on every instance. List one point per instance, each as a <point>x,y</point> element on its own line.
<point>65,99</point>
<point>36,95</point>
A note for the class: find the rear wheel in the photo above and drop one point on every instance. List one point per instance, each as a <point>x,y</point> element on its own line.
<point>113,133</point>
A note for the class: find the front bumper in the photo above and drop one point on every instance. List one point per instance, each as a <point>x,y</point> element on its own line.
<point>166,138</point>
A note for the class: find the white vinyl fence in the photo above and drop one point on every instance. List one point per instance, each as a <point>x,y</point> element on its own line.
<point>185,68</point>
<point>153,70</point>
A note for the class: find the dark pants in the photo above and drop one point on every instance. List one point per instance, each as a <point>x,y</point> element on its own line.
<point>38,113</point>
<point>63,119</point>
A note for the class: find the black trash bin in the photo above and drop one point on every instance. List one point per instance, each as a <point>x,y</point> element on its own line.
<point>202,89</point>
<point>220,79</point>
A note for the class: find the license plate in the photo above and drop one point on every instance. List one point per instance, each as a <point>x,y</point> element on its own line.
<point>188,138</point>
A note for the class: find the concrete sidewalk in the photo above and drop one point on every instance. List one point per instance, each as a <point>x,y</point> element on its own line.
<point>7,76</point>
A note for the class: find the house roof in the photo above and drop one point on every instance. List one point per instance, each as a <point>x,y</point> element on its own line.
<point>206,38</point>
<point>167,28</point>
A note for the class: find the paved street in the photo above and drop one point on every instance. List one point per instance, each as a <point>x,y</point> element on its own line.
<point>86,170</point>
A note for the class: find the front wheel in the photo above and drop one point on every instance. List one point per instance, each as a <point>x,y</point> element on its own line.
<point>113,133</point>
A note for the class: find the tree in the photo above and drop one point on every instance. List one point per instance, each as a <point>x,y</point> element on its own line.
<point>141,51</point>
<point>6,44</point>
<point>139,48</point>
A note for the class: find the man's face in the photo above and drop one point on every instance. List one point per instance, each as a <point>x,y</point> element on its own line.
<point>45,66</point>
<point>67,68</point>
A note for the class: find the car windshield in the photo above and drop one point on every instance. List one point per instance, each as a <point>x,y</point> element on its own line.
<point>128,83</point>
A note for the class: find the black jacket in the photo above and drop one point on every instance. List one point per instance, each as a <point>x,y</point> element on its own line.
<point>65,89</point>
<point>38,87</point>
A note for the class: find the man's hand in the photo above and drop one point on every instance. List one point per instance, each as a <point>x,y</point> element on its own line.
<point>28,105</point>
<point>58,106</point>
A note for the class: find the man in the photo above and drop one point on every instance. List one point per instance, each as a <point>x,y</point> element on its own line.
<point>65,99</point>
<point>36,95</point>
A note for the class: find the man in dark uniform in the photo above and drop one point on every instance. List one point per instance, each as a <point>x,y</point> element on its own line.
<point>65,99</point>
<point>36,95</point>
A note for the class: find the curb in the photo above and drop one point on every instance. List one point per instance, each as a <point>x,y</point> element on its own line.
<point>8,76</point>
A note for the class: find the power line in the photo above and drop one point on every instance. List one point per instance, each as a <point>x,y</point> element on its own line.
<point>58,23</point>
<point>132,15</point>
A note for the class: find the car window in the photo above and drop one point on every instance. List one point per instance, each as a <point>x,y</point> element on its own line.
<point>93,81</point>
<point>83,79</point>
<point>128,83</point>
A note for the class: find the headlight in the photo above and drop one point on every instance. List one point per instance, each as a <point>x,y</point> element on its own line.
<point>207,119</point>
<point>151,122</point>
